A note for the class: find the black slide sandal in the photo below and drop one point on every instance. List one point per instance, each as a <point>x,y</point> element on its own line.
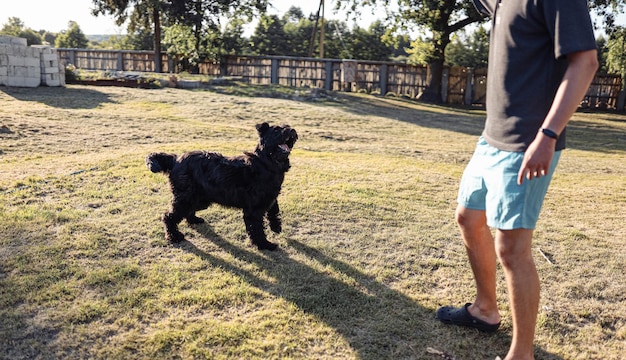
<point>461,317</point>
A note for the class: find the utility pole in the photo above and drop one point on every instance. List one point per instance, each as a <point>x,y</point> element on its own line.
<point>320,10</point>
<point>621,98</point>
<point>322,31</point>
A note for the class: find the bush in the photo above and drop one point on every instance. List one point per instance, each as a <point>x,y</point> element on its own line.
<point>71,74</point>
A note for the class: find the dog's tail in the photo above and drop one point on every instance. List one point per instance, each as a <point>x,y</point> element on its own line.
<point>160,162</point>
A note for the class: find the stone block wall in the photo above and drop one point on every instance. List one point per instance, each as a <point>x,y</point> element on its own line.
<point>29,66</point>
<point>52,71</point>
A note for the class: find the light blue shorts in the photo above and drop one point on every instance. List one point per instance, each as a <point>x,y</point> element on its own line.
<point>489,183</point>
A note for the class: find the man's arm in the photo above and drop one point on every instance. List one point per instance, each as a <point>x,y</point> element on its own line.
<point>581,69</point>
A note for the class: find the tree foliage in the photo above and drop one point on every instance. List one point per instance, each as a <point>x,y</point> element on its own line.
<point>270,38</point>
<point>73,37</point>
<point>15,27</point>
<point>292,34</point>
<point>616,52</point>
<point>469,50</point>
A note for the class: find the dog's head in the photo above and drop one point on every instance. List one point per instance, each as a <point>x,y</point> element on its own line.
<point>276,141</point>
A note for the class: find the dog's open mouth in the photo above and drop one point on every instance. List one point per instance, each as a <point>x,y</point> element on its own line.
<point>285,148</point>
<point>289,137</point>
<point>289,143</point>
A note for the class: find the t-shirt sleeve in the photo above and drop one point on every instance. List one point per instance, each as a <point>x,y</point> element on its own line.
<point>483,7</point>
<point>570,25</point>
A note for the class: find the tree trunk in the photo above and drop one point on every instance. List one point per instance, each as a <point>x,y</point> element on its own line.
<point>432,93</point>
<point>157,39</point>
<point>441,39</point>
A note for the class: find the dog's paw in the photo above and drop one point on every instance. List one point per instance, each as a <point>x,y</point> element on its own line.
<point>175,237</point>
<point>266,246</point>
<point>195,220</point>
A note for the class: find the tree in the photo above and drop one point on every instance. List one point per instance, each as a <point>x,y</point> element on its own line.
<point>15,27</point>
<point>292,34</point>
<point>143,13</point>
<point>201,16</point>
<point>73,37</point>
<point>441,18</point>
<point>373,43</point>
<point>233,40</point>
<point>299,31</point>
<point>421,51</point>
<point>48,37</point>
<point>337,44</point>
<point>616,52</point>
<point>179,42</point>
<point>269,37</point>
<point>469,50</point>
<point>601,43</point>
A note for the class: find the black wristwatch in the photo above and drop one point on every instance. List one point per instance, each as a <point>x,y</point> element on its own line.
<point>549,133</point>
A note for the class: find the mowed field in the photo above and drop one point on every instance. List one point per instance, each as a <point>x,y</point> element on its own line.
<point>369,247</point>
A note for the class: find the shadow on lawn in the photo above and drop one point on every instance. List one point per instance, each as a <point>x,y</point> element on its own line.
<point>377,321</point>
<point>60,97</point>
<point>582,135</point>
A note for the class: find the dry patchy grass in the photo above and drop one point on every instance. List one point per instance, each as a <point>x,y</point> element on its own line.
<point>369,248</point>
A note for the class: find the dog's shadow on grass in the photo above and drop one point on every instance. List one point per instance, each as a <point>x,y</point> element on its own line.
<point>377,321</point>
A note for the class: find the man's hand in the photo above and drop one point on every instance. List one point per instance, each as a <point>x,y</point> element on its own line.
<point>537,158</point>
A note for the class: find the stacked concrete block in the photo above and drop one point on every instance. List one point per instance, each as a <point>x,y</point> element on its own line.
<point>24,66</point>
<point>52,72</point>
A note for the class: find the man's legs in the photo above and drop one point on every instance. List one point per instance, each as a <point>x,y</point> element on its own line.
<point>479,244</point>
<point>514,251</point>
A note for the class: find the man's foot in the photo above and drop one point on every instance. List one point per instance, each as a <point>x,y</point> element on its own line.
<point>462,317</point>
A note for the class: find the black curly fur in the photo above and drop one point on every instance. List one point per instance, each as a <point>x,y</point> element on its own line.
<point>251,182</point>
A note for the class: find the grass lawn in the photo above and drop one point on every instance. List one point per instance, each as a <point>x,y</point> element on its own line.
<point>369,247</point>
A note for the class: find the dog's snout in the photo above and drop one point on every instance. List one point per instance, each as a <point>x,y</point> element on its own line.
<point>292,134</point>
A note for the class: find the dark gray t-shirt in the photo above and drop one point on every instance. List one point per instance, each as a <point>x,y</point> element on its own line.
<point>528,44</point>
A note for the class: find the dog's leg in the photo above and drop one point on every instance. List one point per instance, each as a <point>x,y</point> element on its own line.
<point>193,219</point>
<point>197,206</point>
<point>273,216</point>
<point>254,228</point>
<point>172,234</point>
<point>171,220</point>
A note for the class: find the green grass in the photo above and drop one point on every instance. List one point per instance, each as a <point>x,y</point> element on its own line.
<point>369,248</point>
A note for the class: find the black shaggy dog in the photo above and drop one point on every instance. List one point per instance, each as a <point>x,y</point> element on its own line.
<point>251,182</point>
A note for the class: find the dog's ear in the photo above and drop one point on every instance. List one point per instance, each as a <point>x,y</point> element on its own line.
<point>261,128</point>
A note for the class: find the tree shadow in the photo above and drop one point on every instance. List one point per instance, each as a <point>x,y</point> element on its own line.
<point>60,97</point>
<point>582,135</point>
<point>377,321</point>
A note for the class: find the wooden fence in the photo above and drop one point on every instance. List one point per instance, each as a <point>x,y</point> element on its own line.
<point>460,86</point>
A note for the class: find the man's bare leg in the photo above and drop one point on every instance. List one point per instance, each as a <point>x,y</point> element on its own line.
<point>480,247</point>
<point>515,253</point>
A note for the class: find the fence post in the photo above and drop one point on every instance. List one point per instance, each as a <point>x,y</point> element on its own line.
<point>444,84</point>
<point>120,61</point>
<point>328,80</point>
<point>384,69</point>
<point>469,87</point>
<point>72,57</point>
<point>274,76</point>
<point>224,66</point>
<point>621,99</point>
